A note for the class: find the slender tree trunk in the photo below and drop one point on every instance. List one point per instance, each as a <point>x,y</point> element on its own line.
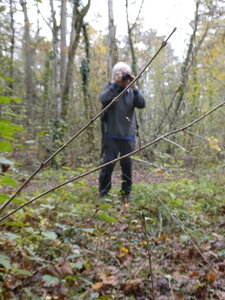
<point>56,63</point>
<point>77,24</point>
<point>133,54</point>
<point>85,73</point>
<point>30,92</point>
<point>12,46</point>
<point>63,44</point>
<point>112,45</point>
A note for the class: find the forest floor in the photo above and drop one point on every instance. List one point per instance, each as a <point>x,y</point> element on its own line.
<point>166,243</point>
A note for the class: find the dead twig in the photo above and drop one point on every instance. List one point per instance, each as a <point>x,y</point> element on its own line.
<point>148,163</point>
<point>179,146</point>
<point>203,138</point>
<point>149,254</point>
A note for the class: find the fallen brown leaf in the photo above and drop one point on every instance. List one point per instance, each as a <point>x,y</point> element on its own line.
<point>59,270</point>
<point>97,286</point>
<point>211,277</point>
<point>132,286</point>
<point>194,274</point>
<point>110,280</point>
<point>161,238</point>
<point>106,283</point>
<point>8,295</point>
<point>12,283</point>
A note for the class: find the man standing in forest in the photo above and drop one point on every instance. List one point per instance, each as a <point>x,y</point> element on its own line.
<point>119,127</point>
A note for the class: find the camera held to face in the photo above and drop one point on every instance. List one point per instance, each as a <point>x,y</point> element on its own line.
<point>126,76</point>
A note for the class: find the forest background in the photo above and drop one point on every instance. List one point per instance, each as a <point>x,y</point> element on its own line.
<point>50,89</point>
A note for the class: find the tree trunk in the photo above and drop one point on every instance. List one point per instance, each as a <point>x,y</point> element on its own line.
<point>112,45</point>
<point>63,44</point>
<point>57,107</point>
<point>30,92</point>
<point>77,24</point>
<point>12,46</point>
<point>85,73</point>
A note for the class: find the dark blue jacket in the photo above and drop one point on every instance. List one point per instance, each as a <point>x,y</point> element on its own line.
<point>119,120</point>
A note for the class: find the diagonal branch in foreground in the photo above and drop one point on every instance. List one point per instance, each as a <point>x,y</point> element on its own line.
<point>115,160</point>
<point>42,165</point>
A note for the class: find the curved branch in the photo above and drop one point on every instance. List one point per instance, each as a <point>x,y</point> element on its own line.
<point>138,14</point>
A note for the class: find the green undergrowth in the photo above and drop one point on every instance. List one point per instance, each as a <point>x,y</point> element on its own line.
<point>72,245</point>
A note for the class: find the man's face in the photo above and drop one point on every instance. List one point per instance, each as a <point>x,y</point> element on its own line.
<point>122,80</point>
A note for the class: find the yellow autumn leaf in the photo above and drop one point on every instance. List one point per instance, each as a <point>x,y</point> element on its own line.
<point>125,250</point>
<point>159,171</point>
<point>122,252</point>
<point>97,286</point>
<point>213,143</point>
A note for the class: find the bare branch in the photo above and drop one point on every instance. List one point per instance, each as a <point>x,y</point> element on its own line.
<point>179,146</point>
<point>148,163</point>
<point>203,138</point>
<point>138,14</point>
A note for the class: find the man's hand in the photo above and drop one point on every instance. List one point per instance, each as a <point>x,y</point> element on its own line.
<point>123,83</point>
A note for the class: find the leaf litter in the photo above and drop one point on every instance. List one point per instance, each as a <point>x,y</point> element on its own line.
<point>85,249</point>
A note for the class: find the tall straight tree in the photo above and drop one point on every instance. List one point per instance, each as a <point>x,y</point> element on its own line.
<point>77,23</point>
<point>63,44</point>
<point>88,105</point>
<point>28,51</point>
<point>12,46</point>
<point>56,63</point>
<point>112,45</point>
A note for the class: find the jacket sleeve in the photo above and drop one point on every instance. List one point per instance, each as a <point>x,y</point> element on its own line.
<point>139,100</point>
<point>109,92</point>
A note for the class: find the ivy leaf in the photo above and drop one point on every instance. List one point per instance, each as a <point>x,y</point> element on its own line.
<point>8,129</point>
<point>50,280</point>
<point>3,198</point>
<point>6,99</point>
<point>11,236</point>
<point>5,146</point>
<point>50,235</point>
<point>5,161</point>
<point>79,264</point>
<point>5,261</point>
<point>105,206</point>
<point>107,218</point>
<point>48,206</point>
<point>7,78</point>
<point>24,272</point>
<point>88,230</point>
<point>7,180</point>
